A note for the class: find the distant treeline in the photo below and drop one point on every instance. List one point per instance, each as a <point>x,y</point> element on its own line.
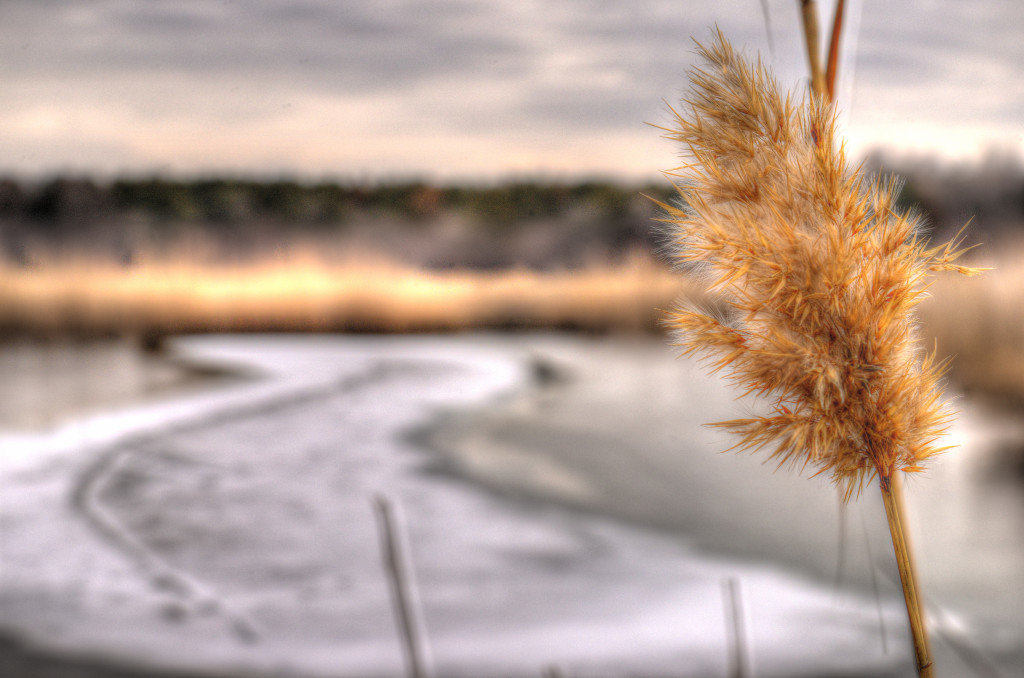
<point>989,194</point>
<point>514,223</point>
<point>63,200</point>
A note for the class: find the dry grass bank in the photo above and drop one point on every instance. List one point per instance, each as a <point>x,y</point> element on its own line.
<point>979,322</point>
<point>307,294</point>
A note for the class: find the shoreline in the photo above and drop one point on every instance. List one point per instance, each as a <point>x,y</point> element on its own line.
<point>57,381</point>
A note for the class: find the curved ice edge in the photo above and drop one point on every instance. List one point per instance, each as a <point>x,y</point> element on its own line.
<point>281,373</point>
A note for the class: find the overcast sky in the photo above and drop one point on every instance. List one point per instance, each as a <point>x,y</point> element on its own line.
<point>456,89</point>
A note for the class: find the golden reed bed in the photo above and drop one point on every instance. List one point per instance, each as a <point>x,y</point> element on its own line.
<point>303,294</point>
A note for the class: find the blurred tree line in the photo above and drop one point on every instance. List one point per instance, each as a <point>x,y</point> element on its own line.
<point>65,200</point>
<point>536,224</point>
<point>242,218</point>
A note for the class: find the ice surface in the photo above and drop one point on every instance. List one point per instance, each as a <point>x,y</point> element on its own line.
<point>233,530</point>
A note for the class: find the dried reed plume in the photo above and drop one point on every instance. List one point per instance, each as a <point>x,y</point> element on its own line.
<point>821,273</point>
<point>821,270</point>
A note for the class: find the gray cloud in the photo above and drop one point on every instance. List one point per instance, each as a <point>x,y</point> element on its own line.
<point>444,68</point>
<point>330,45</point>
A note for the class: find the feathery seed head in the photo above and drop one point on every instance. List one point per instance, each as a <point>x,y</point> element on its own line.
<point>822,273</point>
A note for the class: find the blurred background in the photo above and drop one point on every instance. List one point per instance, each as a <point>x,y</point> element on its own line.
<point>273,271</point>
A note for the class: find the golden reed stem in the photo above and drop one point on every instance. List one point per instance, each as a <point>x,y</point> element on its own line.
<point>809,14</point>
<point>832,63</point>
<point>892,498</point>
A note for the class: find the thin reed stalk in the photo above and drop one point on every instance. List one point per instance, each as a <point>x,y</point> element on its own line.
<point>403,590</point>
<point>892,497</point>
<point>809,16</point>
<point>832,63</point>
<point>738,662</point>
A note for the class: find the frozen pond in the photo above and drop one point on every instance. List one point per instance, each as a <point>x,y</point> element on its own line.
<point>562,504</point>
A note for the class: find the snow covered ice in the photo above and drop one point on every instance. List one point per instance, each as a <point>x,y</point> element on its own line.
<point>232,530</point>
